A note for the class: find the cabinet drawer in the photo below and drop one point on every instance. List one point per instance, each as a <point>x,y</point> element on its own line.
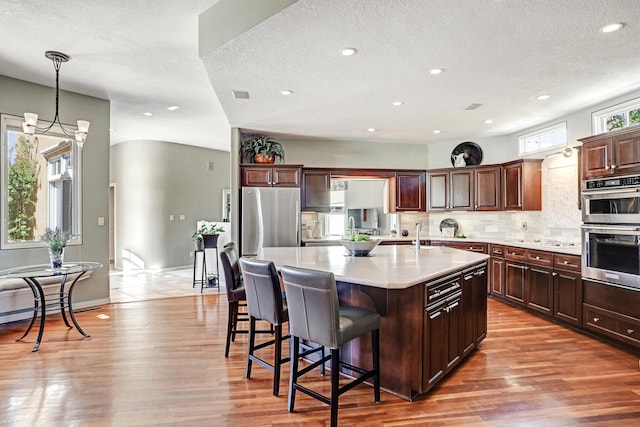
<point>568,262</point>
<point>442,290</point>
<point>539,257</point>
<point>615,325</point>
<point>511,252</point>
<point>497,250</point>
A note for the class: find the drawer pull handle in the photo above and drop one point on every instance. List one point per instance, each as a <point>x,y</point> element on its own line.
<point>629,331</point>
<point>554,274</point>
<point>596,319</point>
<point>537,257</point>
<point>566,262</point>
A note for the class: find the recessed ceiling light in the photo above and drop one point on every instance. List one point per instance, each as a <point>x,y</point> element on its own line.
<point>436,71</point>
<point>173,108</point>
<point>348,51</point>
<point>286,92</point>
<point>147,114</point>
<point>436,131</point>
<point>543,97</point>
<point>371,129</point>
<point>397,103</point>
<point>488,122</point>
<point>610,28</point>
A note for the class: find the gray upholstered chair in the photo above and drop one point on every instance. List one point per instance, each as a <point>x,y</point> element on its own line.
<point>315,315</point>
<point>264,302</point>
<point>236,295</point>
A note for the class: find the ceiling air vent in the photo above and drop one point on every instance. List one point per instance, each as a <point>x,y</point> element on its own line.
<point>240,94</point>
<point>471,107</point>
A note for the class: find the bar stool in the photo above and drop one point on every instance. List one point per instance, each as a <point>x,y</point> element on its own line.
<point>315,315</point>
<point>265,302</point>
<point>236,295</point>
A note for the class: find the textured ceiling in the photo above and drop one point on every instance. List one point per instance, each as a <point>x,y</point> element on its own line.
<point>143,56</point>
<point>501,54</point>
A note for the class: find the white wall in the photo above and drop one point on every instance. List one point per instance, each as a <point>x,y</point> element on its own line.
<point>19,96</point>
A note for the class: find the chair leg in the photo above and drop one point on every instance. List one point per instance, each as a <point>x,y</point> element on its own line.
<point>375,350</point>
<point>335,385</point>
<point>277,359</point>
<point>294,342</point>
<point>229,326</point>
<point>252,340</point>
<point>236,309</point>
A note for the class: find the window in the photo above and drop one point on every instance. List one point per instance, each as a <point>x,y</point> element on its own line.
<point>40,185</point>
<point>543,140</point>
<point>617,117</point>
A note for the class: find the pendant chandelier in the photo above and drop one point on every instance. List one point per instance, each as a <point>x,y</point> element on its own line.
<point>30,124</point>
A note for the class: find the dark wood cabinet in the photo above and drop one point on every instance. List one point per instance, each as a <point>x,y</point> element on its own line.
<point>474,302</point>
<point>612,153</point>
<point>514,275</point>
<point>497,271</point>
<point>612,312</point>
<point>410,191</point>
<point>522,185</point>
<point>487,188</point>
<point>271,175</point>
<point>539,288</point>
<point>316,190</point>
<point>451,190</point>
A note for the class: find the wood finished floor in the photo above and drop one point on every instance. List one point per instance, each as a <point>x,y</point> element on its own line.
<point>161,363</point>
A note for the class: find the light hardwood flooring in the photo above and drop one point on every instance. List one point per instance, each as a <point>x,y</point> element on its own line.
<point>161,363</point>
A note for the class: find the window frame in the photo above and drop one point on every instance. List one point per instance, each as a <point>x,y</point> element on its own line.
<point>546,131</point>
<point>599,118</point>
<point>11,123</point>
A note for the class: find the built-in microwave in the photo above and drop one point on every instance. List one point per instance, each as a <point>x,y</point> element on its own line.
<point>611,200</point>
<point>611,253</point>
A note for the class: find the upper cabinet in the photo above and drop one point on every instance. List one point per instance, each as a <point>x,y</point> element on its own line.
<point>612,153</point>
<point>522,185</point>
<point>316,187</point>
<point>451,189</point>
<point>410,194</point>
<point>465,189</point>
<point>271,175</point>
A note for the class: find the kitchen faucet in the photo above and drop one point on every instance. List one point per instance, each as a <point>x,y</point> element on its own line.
<point>417,235</point>
<point>351,225</point>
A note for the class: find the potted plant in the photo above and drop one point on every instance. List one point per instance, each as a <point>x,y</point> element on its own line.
<point>55,241</point>
<point>197,235</point>
<point>261,149</point>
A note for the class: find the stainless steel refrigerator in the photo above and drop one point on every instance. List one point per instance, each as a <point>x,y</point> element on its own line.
<point>270,217</point>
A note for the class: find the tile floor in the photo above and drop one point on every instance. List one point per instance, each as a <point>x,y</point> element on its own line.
<point>141,286</point>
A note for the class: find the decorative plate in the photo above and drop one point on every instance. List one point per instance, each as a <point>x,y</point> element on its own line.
<point>466,154</point>
<point>449,223</point>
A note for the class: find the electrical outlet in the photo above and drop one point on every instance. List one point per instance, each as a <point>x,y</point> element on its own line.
<point>524,225</point>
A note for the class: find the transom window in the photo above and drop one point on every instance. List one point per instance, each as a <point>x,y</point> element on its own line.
<point>617,117</point>
<point>543,140</point>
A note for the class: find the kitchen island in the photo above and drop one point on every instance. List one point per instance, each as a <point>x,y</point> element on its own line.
<point>433,303</point>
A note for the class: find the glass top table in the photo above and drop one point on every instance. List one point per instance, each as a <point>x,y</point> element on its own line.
<point>34,274</point>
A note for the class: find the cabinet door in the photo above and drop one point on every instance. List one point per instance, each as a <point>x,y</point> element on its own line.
<point>480,303</point>
<point>434,351</point>
<point>469,314</point>
<point>487,189</point>
<point>539,286</point>
<point>461,192</point>
<point>438,191</point>
<point>256,177</point>
<point>410,191</point>
<point>285,177</point>
<point>626,154</point>
<point>596,158</point>
<point>514,273</point>
<point>316,187</point>
<point>567,301</point>
<point>497,276</point>
<point>512,187</point>
<point>455,326</point>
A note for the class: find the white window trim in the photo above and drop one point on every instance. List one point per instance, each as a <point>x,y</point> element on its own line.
<point>542,132</point>
<point>598,117</point>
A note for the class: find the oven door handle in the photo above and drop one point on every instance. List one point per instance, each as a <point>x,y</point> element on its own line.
<point>606,228</point>
<point>588,193</point>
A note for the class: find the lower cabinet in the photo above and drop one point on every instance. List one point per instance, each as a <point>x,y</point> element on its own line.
<point>567,297</point>
<point>514,275</point>
<point>539,288</point>
<point>442,348</point>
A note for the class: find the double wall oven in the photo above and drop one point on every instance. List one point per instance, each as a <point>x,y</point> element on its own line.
<point>611,230</point>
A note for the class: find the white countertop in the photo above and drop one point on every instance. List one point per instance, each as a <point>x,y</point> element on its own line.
<point>389,267</point>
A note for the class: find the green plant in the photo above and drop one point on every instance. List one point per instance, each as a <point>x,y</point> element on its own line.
<point>205,229</point>
<point>55,239</point>
<point>261,144</point>
<point>22,186</point>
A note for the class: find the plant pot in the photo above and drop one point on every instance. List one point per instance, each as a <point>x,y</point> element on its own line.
<point>264,158</point>
<point>56,257</point>
<point>199,246</point>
